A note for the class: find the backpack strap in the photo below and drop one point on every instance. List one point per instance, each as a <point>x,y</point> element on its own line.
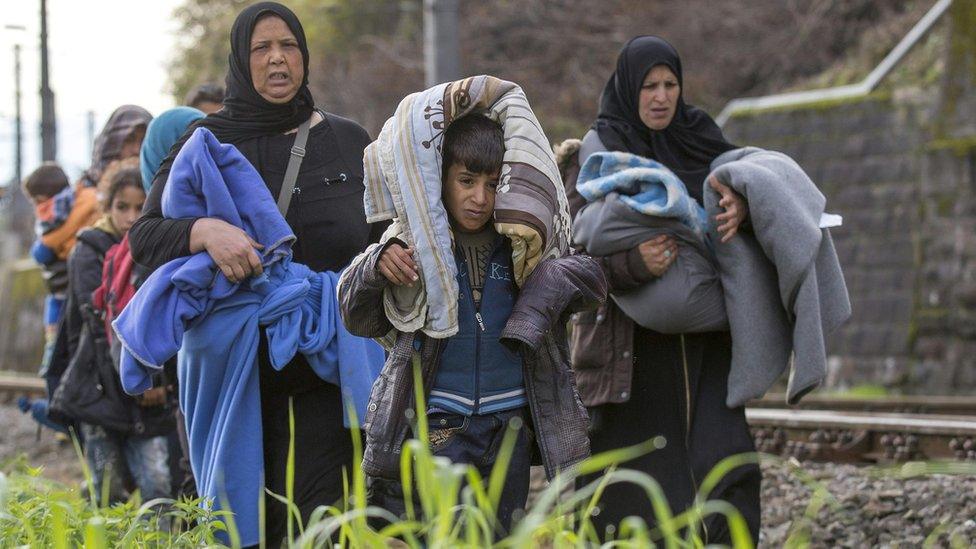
<point>294,165</point>
<point>99,240</point>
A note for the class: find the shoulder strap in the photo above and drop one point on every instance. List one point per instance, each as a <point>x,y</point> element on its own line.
<point>294,164</point>
<point>100,241</point>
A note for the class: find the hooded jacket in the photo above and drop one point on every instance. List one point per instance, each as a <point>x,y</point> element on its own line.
<point>82,352</point>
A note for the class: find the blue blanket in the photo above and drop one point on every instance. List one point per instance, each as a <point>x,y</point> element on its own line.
<point>187,305</point>
<point>644,185</point>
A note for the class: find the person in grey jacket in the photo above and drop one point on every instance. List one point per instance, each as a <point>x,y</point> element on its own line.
<point>639,384</point>
<point>508,365</point>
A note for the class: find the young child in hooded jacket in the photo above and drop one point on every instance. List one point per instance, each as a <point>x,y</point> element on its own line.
<point>477,386</point>
<point>60,211</point>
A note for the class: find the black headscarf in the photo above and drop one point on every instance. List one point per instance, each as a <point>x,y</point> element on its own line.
<point>245,114</point>
<point>689,143</point>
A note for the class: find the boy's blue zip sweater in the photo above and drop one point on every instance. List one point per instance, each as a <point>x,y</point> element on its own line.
<point>478,375</point>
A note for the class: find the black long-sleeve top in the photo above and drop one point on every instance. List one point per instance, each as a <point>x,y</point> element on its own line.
<point>326,211</point>
<point>326,215</point>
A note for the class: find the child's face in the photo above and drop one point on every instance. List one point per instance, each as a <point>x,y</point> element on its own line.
<point>127,207</point>
<point>469,197</point>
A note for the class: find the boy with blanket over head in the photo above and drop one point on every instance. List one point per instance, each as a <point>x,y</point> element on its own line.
<point>486,301</point>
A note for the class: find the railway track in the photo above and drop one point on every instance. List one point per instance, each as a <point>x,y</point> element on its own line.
<point>910,404</point>
<point>13,386</point>
<point>873,430</point>
<point>821,428</point>
<point>859,437</point>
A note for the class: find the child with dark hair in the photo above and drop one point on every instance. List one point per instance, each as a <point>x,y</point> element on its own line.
<point>45,182</point>
<point>208,98</point>
<point>478,388</point>
<point>499,368</point>
<point>54,200</point>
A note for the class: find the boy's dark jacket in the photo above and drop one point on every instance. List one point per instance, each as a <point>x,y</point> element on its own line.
<point>555,289</point>
<point>602,341</point>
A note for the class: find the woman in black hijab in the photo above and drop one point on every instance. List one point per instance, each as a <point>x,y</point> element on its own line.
<point>267,99</point>
<point>640,384</point>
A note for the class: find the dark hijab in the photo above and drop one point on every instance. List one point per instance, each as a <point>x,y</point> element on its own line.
<point>246,115</point>
<point>689,143</point>
<point>108,144</point>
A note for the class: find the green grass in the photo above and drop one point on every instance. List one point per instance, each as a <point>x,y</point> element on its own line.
<point>864,390</point>
<point>455,508</point>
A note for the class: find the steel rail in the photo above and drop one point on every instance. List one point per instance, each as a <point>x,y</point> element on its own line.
<point>20,385</point>
<point>846,436</point>
<point>914,404</point>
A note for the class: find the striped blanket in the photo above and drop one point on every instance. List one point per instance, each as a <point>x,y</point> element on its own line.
<point>646,186</point>
<point>403,183</point>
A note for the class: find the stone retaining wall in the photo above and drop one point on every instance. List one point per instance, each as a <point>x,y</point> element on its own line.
<point>22,292</point>
<point>905,183</point>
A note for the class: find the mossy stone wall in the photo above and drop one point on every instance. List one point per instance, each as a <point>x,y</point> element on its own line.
<point>900,166</point>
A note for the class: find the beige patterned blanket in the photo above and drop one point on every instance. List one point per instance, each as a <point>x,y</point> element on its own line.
<point>403,183</point>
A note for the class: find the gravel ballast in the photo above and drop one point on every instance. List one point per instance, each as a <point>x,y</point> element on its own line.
<point>19,435</point>
<point>867,506</point>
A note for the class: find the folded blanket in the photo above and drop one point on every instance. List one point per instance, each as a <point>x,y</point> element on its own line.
<point>188,305</point>
<point>687,298</point>
<point>646,186</point>
<point>403,182</point>
<point>632,200</point>
<point>70,211</point>
<point>784,289</point>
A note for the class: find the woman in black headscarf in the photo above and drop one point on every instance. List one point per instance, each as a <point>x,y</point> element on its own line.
<point>267,99</point>
<point>640,384</point>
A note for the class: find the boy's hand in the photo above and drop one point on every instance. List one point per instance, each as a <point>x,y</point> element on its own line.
<point>735,212</point>
<point>397,265</point>
<point>658,254</point>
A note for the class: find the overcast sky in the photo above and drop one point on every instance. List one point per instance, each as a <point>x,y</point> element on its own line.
<point>103,53</point>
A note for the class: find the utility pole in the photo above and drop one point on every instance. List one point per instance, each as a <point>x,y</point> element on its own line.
<point>49,129</point>
<point>91,132</point>
<point>16,220</point>
<point>18,128</point>
<point>441,42</point>
<point>18,115</point>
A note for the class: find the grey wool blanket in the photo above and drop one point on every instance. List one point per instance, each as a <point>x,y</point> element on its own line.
<point>687,298</point>
<point>784,289</point>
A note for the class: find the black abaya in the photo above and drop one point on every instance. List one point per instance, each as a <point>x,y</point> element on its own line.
<point>668,369</point>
